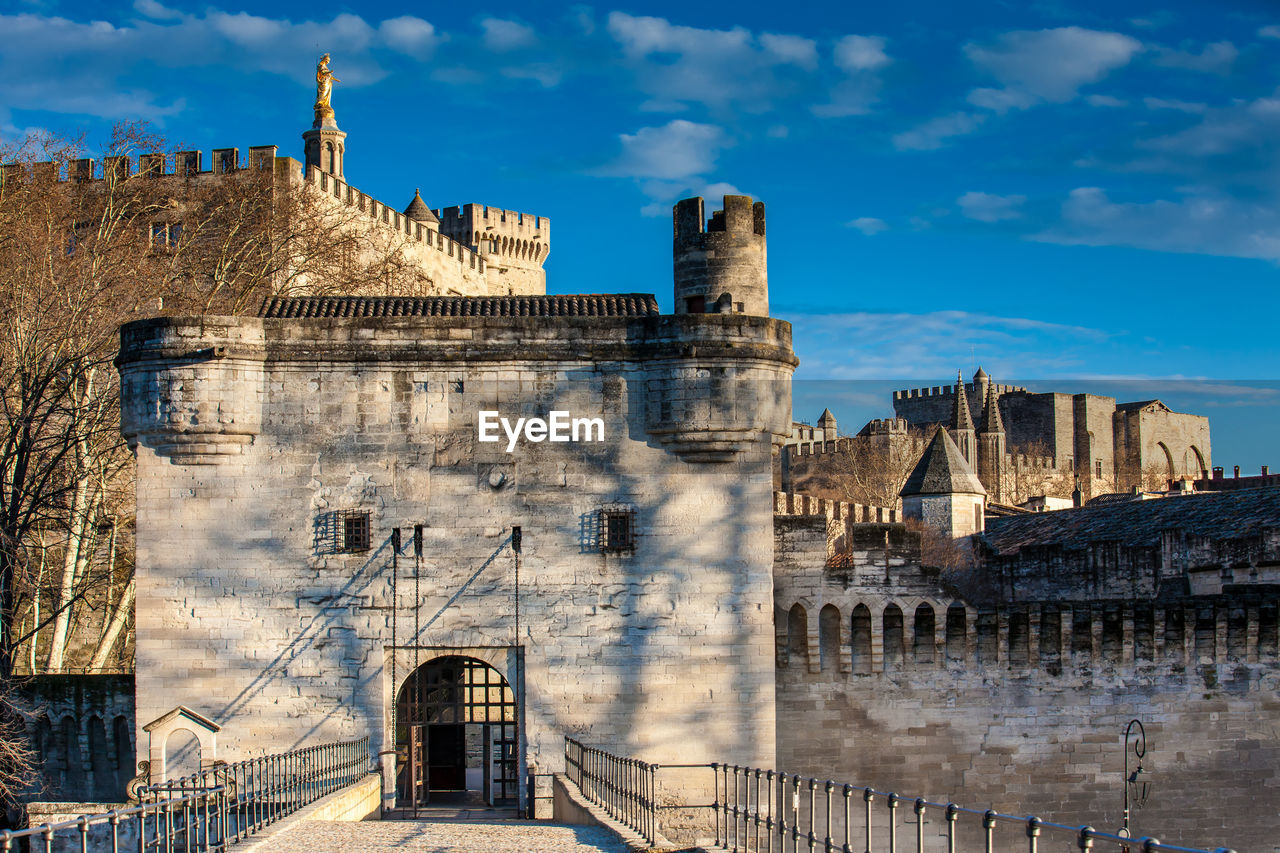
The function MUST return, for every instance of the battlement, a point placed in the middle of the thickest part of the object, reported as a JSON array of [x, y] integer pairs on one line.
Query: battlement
[[390, 217], [1023, 462], [970, 388], [790, 504], [817, 447], [495, 230], [886, 426], [152, 164], [1189, 639], [721, 264]]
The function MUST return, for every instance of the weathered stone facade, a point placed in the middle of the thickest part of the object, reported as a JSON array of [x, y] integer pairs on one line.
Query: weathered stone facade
[[1109, 446], [257, 437], [1015, 693]]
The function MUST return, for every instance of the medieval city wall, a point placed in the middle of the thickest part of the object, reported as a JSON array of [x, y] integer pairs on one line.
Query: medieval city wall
[[446, 266], [884, 679], [82, 727], [255, 437]]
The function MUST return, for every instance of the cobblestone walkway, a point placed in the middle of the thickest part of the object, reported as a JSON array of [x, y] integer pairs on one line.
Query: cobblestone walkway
[[321, 836]]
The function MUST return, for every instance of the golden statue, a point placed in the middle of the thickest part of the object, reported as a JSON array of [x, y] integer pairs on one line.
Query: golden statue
[[324, 90]]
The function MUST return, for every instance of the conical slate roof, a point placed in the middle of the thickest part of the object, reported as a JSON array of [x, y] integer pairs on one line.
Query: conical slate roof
[[960, 418], [991, 421], [980, 375], [419, 211], [827, 418], [942, 471]]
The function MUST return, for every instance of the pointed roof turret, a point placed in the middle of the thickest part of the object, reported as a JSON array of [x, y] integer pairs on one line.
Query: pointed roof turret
[[418, 210], [942, 470], [980, 376], [960, 417], [991, 422], [827, 418]]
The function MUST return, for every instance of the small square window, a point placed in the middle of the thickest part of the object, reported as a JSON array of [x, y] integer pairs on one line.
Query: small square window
[[354, 531], [617, 530]]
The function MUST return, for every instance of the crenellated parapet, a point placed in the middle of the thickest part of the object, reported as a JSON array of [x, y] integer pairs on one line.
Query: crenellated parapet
[[721, 264], [971, 389], [791, 504], [388, 217], [495, 231]]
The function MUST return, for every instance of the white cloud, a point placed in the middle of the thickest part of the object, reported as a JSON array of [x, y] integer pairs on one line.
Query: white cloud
[[1216, 58], [794, 50], [1105, 101], [867, 345], [1270, 32], [1036, 66], [986, 207], [860, 53], [869, 225], [934, 132], [1194, 224], [676, 151], [676, 65], [155, 10], [409, 35], [1170, 104], [501, 35], [714, 193]]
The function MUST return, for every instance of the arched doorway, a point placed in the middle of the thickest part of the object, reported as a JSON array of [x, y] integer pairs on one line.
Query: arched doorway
[[456, 737]]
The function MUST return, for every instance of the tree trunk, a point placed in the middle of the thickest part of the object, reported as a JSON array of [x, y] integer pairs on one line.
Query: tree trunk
[[119, 616]]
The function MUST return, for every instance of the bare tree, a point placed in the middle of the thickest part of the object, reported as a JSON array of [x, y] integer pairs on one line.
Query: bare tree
[[80, 254], [1025, 478], [18, 760], [872, 470], [74, 263]]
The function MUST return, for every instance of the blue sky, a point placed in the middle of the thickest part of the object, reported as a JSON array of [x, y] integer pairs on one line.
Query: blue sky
[[1066, 193]]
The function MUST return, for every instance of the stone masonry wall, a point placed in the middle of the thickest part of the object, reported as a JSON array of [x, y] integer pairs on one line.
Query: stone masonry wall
[[247, 613], [885, 679]]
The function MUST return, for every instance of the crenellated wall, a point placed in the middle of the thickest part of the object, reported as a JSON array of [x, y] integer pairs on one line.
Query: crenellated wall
[[1021, 706]]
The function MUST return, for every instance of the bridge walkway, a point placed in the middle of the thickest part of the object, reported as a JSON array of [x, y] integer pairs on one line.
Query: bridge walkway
[[440, 836]]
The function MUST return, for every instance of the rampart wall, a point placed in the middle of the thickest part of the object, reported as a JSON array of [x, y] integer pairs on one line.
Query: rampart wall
[[83, 729], [886, 678]]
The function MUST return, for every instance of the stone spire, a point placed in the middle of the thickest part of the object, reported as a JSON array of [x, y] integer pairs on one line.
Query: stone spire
[[962, 423], [418, 210], [991, 421], [942, 471], [827, 423], [991, 447], [960, 417]]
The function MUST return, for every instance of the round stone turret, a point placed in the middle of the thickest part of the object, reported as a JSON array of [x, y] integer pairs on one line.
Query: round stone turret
[[721, 265]]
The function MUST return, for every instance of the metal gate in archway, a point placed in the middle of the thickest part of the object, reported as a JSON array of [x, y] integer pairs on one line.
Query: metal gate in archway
[[456, 732]]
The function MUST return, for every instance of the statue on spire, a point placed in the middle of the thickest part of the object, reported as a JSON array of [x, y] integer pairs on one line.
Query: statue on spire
[[324, 92]]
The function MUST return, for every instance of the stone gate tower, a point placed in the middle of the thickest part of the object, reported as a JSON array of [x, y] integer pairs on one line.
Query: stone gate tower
[[720, 265]]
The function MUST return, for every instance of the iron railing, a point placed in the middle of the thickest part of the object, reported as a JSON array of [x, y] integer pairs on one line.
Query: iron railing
[[208, 810], [623, 787], [763, 810]]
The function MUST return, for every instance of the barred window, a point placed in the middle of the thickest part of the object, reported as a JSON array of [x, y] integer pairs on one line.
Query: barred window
[[617, 529], [354, 531]]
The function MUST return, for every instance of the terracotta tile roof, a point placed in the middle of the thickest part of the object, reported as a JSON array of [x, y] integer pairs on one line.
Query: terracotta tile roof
[[1220, 515], [586, 305]]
